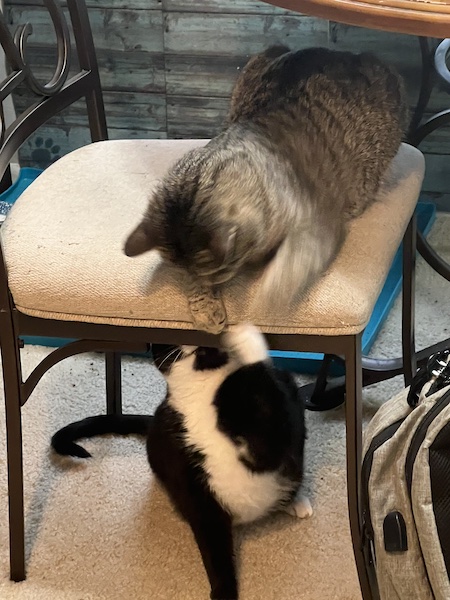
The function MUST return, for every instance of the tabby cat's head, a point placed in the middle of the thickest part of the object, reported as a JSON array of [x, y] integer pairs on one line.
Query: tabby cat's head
[[196, 215]]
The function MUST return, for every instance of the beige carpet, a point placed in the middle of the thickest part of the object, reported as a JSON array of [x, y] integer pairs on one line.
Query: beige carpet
[[103, 529]]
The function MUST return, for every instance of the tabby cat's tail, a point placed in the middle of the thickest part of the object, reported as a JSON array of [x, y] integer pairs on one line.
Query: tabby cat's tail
[[63, 441]]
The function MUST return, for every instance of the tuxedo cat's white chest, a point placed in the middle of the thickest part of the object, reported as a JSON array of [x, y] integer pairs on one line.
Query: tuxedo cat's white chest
[[246, 495]]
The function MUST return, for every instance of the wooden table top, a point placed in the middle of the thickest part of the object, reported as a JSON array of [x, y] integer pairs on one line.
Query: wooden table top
[[429, 18]]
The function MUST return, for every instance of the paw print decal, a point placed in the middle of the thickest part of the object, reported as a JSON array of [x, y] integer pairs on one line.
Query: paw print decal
[[43, 152]]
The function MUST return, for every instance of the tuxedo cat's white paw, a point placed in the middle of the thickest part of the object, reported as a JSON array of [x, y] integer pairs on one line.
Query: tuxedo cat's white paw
[[301, 508], [246, 343]]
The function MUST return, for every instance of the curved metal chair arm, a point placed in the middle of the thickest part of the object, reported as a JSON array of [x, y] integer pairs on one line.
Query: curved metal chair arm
[[60, 91]]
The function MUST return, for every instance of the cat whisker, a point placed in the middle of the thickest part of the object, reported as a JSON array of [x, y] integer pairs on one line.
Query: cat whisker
[[166, 358]]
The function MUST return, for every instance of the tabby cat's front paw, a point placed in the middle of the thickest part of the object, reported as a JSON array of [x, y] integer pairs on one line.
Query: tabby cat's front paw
[[246, 343], [207, 310]]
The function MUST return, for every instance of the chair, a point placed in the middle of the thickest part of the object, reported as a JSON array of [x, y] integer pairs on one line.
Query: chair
[[63, 273]]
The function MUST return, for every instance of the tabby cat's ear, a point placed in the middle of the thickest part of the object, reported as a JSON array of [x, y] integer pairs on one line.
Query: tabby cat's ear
[[142, 239]]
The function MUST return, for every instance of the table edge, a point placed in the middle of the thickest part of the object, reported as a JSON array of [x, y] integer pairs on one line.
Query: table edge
[[429, 23]]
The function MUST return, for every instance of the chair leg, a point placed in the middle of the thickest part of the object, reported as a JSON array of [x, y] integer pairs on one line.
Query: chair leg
[[353, 414], [12, 377], [408, 302], [113, 383]]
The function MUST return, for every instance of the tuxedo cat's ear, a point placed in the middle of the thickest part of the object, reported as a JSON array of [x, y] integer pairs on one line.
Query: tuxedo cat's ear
[[142, 239]]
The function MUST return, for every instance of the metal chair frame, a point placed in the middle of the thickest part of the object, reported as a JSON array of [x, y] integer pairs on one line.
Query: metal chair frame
[[57, 94]]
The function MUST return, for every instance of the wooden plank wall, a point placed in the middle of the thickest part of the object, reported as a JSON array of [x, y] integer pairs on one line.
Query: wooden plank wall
[[167, 68]]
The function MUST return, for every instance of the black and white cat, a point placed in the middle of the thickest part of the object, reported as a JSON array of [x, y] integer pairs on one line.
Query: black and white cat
[[226, 443]]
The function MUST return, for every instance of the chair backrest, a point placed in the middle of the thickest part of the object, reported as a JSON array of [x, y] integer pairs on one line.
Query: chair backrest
[[49, 98], [61, 90]]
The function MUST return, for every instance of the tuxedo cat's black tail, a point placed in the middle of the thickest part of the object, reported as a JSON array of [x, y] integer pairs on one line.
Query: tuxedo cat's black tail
[[63, 441]]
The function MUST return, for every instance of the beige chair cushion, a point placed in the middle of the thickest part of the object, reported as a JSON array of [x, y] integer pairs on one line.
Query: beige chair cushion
[[63, 244]]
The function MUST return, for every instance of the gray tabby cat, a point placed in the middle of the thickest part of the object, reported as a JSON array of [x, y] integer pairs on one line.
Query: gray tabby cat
[[309, 137]]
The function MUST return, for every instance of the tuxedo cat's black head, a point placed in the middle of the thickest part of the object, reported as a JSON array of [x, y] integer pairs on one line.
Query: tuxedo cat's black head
[[165, 356], [207, 359]]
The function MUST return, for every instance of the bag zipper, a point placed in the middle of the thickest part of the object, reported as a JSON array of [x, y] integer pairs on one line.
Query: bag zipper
[[377, 442]]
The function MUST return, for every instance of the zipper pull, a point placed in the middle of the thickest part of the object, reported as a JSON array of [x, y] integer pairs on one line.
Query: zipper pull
[[436, 372], [439, 370]]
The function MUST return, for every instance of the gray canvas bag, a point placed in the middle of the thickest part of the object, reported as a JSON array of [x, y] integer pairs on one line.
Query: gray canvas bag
[[405, 490]]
